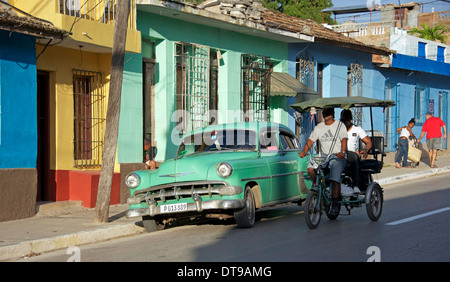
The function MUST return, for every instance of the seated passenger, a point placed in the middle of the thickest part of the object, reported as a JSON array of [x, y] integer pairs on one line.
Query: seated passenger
[[355, 133]]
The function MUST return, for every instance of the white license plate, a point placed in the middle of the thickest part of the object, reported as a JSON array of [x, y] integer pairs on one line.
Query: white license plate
[[174, 208]]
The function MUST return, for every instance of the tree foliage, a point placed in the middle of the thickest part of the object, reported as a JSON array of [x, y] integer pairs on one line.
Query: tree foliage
[[303, 9], [436, 32]]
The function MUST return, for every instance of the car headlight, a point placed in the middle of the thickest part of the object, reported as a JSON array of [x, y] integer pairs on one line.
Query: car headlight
[[224, 170], [132, 180]]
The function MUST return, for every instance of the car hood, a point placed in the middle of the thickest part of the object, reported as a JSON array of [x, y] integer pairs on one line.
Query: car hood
[[196, 167]]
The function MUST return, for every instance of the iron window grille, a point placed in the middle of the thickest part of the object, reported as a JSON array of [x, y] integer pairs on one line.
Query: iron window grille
[[355, 88], [255, 89], [192, 85], [89, 118], [305, 69], [305, 74]]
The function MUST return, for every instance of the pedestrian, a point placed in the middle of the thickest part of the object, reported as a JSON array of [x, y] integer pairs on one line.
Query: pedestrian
[[355, 133], [432, 128], [403, 145]]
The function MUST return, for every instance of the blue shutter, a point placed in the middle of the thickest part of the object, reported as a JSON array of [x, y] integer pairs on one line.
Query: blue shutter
[[440, 54], [421, 53]]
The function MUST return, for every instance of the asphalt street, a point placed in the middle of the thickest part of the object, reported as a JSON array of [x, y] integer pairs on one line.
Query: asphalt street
[[414, 226]]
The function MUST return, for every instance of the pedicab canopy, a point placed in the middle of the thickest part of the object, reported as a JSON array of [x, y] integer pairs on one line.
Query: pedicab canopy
[[341, 102]]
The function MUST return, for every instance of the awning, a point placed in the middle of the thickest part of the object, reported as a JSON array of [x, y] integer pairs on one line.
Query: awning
[[283, 84], [341, 102]]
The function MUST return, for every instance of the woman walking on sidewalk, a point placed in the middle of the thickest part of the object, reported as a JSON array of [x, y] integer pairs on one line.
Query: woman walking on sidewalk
[[405, 133]]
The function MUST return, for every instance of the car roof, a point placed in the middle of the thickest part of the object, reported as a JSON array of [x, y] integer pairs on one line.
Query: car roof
[[250, 125]]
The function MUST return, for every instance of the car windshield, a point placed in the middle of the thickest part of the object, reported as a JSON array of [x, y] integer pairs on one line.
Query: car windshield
[[218, 140]]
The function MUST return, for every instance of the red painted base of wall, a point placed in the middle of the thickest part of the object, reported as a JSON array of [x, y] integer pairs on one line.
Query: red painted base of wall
[[80, 186]]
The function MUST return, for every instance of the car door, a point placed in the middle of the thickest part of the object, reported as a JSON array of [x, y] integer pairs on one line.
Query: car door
[[289, 149], [270, 153]]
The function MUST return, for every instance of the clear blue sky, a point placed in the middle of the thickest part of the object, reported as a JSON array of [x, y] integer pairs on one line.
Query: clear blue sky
[[365, 17]]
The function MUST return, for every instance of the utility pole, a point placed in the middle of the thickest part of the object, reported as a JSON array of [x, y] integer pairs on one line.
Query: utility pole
[[112, 116]]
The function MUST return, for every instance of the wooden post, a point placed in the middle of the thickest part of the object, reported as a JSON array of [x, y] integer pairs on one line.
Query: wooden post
[[112, 116]]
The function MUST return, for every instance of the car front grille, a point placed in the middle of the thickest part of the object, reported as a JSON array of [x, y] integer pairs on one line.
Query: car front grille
[[183, 190]]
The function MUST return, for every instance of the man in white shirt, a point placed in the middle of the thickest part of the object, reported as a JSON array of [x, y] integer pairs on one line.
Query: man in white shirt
[[355, 133], [333, 137]]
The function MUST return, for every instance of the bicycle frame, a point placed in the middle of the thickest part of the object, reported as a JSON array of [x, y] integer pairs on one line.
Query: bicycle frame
[[325, 191]]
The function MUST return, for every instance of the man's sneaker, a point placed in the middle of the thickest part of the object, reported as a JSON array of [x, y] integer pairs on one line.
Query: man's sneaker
[[334, 210]]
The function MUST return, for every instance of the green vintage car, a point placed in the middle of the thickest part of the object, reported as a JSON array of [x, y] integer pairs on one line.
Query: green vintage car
[[221, 171]]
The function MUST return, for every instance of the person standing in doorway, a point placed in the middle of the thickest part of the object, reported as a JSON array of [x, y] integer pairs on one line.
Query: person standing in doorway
[[432, 128]]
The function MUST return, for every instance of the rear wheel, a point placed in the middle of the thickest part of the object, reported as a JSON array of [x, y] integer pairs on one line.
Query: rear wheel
[[313, 209], [374, 206], [245, 217], [152, 224]]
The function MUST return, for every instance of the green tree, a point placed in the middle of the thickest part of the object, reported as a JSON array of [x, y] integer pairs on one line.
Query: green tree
[[303, 9], [436, 32]]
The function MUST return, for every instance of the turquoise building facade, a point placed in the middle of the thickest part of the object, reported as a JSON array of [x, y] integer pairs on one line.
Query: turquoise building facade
[[229, 49]]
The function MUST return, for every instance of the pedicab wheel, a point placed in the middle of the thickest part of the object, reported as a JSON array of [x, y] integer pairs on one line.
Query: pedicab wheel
[[313, 209], [374, 202], [245, 217], [152, 224]]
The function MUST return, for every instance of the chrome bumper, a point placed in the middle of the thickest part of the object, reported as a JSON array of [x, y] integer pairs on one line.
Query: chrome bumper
[[197, 206]]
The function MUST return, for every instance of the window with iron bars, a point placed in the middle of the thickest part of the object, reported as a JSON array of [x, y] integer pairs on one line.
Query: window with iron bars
[[89, 118], [196, 85], [355, 88], [305, 74], [255, 89]]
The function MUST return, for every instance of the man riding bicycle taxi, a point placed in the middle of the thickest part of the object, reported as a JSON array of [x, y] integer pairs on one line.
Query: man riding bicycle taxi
[[333, 138]]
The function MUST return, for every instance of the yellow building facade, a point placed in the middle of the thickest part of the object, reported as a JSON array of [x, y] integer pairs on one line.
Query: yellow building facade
[[73, 85]]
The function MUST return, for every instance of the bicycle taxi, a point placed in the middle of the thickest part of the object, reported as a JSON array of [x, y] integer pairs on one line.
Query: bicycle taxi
[[319, 197]]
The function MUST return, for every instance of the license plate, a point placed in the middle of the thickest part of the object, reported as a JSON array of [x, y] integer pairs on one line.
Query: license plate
[[174, 208]]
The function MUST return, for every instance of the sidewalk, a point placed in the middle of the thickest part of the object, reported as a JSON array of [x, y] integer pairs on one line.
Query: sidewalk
[[59, 225]]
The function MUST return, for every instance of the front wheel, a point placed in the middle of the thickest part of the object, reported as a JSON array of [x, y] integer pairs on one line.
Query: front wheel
[[245, 217], [374, 204], [313, 209]]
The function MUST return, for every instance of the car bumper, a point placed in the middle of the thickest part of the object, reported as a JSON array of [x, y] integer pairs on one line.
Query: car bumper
[[197, 206]]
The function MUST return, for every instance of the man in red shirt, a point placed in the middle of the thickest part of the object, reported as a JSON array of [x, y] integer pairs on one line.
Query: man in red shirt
[[432, 127]]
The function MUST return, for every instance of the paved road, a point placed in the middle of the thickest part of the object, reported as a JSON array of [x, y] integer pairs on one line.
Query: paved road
[[414, 226]]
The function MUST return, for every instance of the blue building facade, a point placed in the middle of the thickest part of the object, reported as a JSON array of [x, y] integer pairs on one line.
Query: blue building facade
[[417, 85], [18, 116], [19, 104]]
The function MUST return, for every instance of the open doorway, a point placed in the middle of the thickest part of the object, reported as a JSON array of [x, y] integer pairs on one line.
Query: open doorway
[[43, 129]]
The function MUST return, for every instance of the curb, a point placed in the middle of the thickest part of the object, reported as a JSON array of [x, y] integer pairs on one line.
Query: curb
[[413, 176], [34, 247]]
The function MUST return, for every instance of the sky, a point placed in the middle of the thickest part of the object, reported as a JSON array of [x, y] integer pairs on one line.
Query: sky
[[428, 5]]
